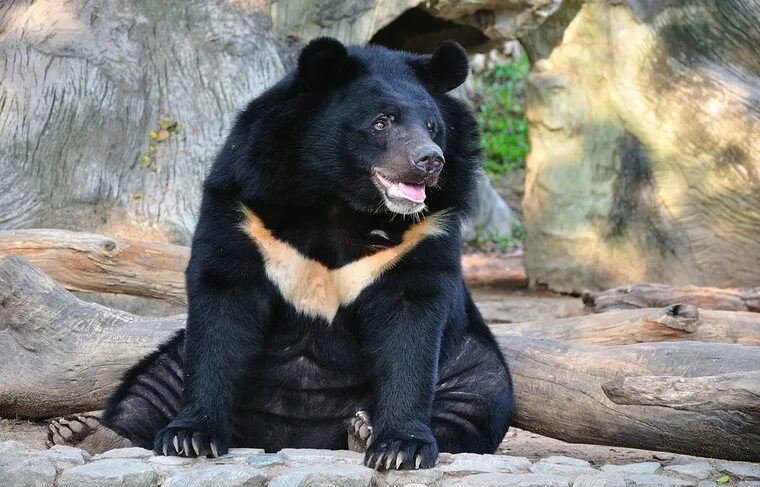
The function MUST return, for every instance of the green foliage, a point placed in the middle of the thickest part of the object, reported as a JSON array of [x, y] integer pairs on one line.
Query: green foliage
[[723, 479], [496, 242], [501, 114]]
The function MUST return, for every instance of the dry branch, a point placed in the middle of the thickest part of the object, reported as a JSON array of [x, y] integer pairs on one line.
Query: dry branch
[[659, 295], [63, 355], [676, 322], [96, 263]]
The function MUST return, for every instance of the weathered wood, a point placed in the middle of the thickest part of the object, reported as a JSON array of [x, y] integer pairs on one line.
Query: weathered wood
[[62, 355], [95, 263], [494, 270], [559, 394], [658, 295], [676, 322], [737, 391]]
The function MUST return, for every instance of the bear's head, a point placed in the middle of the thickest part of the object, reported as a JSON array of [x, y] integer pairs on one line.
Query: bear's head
[[369, 126]]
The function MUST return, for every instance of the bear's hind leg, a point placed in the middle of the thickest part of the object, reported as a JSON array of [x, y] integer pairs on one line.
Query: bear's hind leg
[[84, 431], [359, 432], [473, 402], [150, 395]]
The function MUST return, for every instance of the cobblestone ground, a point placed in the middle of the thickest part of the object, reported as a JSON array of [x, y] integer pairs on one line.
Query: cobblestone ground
[[134, 467]]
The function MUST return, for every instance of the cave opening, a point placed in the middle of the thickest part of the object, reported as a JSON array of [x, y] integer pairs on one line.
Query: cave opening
[[417, 31]]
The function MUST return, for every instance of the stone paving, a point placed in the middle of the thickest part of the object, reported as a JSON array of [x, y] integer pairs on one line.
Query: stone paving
[[64, 466]]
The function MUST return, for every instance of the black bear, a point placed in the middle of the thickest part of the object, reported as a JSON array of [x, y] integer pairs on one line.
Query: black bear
[[325, 290]]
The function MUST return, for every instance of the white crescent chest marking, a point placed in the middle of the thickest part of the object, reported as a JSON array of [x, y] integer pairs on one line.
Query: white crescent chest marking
[[312, 288]]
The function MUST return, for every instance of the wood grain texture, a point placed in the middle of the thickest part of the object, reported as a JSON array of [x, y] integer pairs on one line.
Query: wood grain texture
[[95, 263], [559, 393], [621, 327], [650, 295], [62, 355], [85, 82], [728, 392], [504, 271]]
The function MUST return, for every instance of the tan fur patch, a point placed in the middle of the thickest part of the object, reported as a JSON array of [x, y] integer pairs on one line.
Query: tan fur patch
[[311, 287]]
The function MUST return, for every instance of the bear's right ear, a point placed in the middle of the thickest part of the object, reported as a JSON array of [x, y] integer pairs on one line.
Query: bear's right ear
[[446, 68], [323, 64]]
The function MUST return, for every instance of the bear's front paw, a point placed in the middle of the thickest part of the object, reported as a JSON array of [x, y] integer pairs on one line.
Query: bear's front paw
[[402, 454], [189, 441]]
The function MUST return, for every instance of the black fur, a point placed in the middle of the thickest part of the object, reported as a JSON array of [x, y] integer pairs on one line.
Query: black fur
[[412, 349]]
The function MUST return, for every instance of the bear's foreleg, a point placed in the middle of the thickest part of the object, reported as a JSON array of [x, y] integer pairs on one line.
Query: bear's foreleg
[[402, 331], [224, 335]]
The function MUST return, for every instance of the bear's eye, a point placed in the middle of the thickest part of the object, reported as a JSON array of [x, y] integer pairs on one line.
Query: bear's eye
[[382, 123], [432, 127]]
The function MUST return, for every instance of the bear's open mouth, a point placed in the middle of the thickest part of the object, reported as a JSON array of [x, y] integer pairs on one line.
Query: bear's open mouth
[[400, 191]]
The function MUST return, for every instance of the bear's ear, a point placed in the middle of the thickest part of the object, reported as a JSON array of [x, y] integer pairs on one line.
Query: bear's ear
[[323, 64], [447, 67]]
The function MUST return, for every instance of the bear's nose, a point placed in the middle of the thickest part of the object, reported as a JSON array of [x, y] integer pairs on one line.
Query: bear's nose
[[428, 159]]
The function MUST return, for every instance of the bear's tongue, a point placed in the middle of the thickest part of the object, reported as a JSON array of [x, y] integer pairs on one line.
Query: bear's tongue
[[411, 192]]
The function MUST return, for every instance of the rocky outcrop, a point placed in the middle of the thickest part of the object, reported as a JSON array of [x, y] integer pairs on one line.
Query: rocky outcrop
[[644, 120], [421, 23]]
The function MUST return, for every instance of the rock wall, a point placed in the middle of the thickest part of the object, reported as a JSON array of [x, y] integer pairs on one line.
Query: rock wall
[[645, 163]]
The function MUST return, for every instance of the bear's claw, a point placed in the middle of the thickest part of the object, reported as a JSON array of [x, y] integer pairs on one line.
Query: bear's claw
[[401, 455], [185, 442]]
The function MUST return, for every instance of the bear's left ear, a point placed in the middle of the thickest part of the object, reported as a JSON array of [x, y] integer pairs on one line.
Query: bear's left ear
[[323, 64], [447, 67]]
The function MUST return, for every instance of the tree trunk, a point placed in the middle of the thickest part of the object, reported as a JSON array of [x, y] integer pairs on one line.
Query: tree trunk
[[504, 271], [62, 355], [85, 82], [644, 166], [673, 323], [657, 295]]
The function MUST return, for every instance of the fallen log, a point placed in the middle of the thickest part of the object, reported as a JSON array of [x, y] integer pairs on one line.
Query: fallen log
[[95, 263], [62, 355], [494, 270], [659, 295], [621, 327], [560, 389]]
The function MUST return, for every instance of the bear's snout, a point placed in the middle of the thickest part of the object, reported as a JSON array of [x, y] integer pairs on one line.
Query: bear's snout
[[428, 160]]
